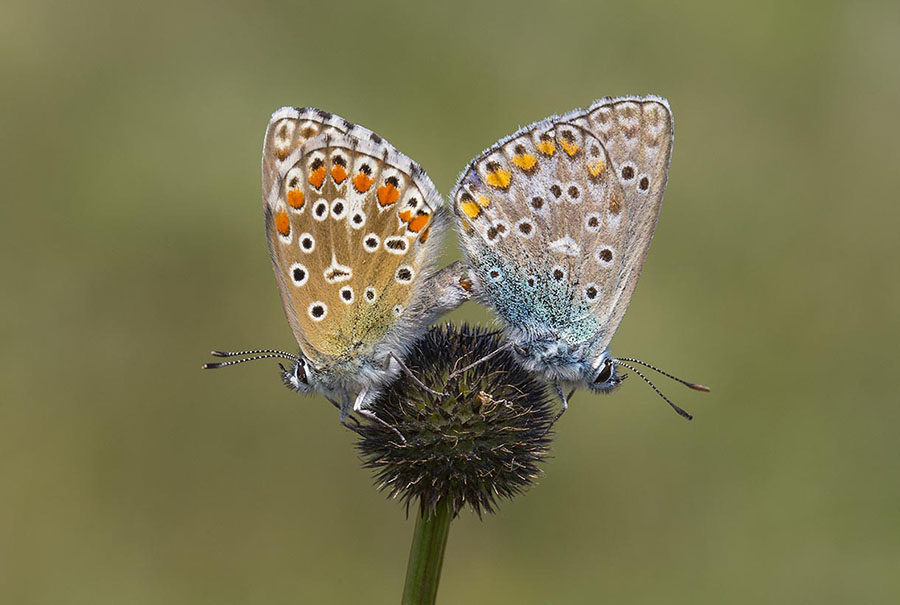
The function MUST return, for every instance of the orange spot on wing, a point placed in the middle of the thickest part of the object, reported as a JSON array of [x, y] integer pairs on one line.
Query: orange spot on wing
[[499, 178], [388, 194], [546, 147], [483, 201], [423, 237], [295, 198], [362, 182], [525, 161], [471, 209], [338, 173], [317, 177], [596, 168], [282, 223], [405, 216], [615, 203], [418, 223], [570, 147]]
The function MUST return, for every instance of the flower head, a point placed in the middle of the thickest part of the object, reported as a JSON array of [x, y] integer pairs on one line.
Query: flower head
[[481, 441]]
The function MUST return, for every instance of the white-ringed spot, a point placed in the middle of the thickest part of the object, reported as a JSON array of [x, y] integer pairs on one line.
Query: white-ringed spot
[[338, 209], [643, 183], [605, 255], [307, 242], [370, 242], [320, 210], [495, 274], [572, 193], [627, 172], [358, 220], [317, 310], [347, 294], [593, 222], [558, 273], [411, 199], [591, 292], [397, 310], [299, 274], [396, 244], [497, 230], [556, 191], [525, 228], [370, 294], [404, 274]]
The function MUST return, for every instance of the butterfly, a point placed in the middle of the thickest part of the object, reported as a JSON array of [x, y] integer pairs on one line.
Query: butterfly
[[354, 230], [556, 222]]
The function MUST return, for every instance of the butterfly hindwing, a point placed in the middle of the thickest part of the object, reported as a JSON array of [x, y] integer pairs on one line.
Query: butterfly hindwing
[[348, 221], [551, 224]]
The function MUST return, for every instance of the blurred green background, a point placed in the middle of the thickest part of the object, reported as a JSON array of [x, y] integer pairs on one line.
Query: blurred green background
[[133, 243]]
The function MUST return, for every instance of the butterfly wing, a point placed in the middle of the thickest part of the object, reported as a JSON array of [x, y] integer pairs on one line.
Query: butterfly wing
[[638, 135], [291, 127], [557, 218], [349, 222]]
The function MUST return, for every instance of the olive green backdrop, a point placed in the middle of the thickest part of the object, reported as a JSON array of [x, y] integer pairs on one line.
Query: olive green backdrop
[[132, 243]]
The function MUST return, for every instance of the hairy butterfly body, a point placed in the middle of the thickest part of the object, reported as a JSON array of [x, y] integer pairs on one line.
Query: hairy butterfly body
[[556, 223]]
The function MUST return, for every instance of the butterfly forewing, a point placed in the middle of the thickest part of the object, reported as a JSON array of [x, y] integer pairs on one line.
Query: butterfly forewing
[[638, 136], [291, 127], [554, 231], [347, 219]]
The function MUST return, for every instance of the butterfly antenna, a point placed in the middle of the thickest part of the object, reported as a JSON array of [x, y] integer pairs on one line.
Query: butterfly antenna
[[680, 411], [693, 385], [256, 355], [256, 352]]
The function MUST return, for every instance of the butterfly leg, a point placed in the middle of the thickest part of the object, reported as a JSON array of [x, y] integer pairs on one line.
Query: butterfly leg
[[496, 351], [410, 373], [359, 408], [563, 399], [346, 418]]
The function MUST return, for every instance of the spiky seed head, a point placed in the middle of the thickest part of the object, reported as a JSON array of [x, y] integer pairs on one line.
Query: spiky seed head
[[481, 442]]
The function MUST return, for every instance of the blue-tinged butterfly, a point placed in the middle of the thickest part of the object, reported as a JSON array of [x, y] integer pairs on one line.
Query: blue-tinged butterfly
[[354, 230], [556, 222]]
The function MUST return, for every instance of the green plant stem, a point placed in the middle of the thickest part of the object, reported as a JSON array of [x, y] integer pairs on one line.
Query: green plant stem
[[427, 555]]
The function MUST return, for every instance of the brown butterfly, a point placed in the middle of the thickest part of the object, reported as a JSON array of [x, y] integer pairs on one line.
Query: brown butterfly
[[354, 230]]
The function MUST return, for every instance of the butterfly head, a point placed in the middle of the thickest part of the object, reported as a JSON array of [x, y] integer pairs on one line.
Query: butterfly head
[[602, 376], [299, 377]]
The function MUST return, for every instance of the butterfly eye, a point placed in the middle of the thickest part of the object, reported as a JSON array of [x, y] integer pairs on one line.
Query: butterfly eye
[[605, 373], [300, 371]]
